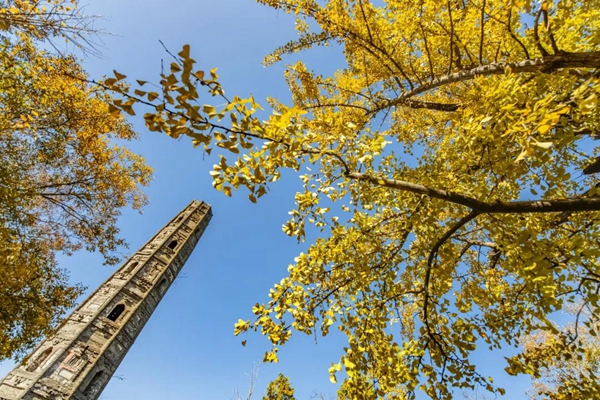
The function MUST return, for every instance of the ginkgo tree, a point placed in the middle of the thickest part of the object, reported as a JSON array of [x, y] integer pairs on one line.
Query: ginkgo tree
[[280, 388], [574, 376], [63, 180], [448, 180]]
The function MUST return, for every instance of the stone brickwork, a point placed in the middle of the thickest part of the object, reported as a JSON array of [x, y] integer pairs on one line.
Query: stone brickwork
[[79, 360]]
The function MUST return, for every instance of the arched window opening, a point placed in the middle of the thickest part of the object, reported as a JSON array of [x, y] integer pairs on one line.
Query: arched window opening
[[131, 267], [179, 219], [116, 312], [173, 244], [92, 388], [162, 286], [39, 360]]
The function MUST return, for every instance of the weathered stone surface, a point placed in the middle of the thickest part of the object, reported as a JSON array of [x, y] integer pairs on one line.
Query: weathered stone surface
[[79, 360]]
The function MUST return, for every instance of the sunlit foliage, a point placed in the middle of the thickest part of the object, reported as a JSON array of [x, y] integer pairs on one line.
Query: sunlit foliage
[[575, 375], [63, 181], [448, 173], [279, 389]]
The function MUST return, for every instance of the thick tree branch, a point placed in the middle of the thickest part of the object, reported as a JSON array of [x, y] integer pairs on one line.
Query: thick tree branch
[[417, 104], [482, 207], [544, 64]]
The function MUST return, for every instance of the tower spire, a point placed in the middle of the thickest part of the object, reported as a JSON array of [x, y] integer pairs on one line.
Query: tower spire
[[80, 358]]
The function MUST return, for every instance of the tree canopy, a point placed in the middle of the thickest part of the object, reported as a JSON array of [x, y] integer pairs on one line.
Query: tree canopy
[[448, 167], [280, 388], [63, 180], [573, 376]]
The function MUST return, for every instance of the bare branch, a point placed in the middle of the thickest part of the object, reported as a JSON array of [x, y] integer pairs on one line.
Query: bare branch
[[253, 375]]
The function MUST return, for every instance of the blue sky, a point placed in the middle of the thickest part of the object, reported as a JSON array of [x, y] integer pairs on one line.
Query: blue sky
[[187, 350]]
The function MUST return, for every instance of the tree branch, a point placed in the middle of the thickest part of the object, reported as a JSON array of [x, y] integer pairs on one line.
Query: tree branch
[[550, 33], [482, 23], [417, 104], [512, 34], [449, 5], [430, 63], [544, 64], [462, 222], [536, 35], [482, 207]]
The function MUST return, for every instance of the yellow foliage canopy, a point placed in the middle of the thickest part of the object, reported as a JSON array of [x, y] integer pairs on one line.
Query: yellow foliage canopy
[[446, 163], [565, 377], [63, 182], [279, 388]]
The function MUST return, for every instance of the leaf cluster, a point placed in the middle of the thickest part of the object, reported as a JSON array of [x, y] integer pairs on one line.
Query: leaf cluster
[[63, 181], [443, 192], [280, 389]]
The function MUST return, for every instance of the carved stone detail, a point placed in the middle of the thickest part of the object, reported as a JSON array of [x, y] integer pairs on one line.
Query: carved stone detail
[[79, 360]]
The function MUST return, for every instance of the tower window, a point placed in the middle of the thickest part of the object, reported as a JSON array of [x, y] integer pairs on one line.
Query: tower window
[[39, 360], [131, 267], [92, 388], [173, 244], [179, 219], [116, 312]]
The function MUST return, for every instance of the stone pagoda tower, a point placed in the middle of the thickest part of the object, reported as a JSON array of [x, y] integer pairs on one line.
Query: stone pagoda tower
[[79, 360]]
